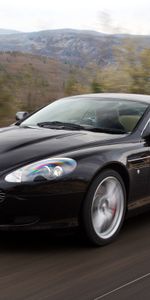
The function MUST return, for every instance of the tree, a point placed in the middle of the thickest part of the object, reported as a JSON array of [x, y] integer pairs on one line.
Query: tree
[[130, 71], [6, 101], [96, 87]]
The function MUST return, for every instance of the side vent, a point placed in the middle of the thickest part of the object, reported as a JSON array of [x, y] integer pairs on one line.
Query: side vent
[[2, 196]]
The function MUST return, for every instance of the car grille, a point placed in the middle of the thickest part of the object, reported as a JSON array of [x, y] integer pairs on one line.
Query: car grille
[[2, 196]]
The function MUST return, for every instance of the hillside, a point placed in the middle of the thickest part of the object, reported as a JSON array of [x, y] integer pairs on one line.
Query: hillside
[[77, 47], [37, 68], [28, 82]]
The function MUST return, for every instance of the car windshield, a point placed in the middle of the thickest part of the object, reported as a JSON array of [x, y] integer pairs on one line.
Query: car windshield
[[114, 115]]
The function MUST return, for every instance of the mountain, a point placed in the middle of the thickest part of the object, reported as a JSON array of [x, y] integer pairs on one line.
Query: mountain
[[8, 31], [77, 47]]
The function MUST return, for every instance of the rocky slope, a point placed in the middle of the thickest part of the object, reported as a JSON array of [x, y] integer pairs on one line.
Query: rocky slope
[[70, 46]]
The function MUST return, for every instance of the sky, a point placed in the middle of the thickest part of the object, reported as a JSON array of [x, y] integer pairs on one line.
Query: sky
[[109, 16]]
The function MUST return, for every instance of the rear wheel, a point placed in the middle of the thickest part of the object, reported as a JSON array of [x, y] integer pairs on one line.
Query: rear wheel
[[104, 208]]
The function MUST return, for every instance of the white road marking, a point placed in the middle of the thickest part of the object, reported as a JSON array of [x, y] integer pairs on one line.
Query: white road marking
[[123, 286]]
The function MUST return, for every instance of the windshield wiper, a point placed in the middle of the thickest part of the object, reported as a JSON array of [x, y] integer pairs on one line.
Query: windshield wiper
[[107, 130], [60, 125], [72, 126]]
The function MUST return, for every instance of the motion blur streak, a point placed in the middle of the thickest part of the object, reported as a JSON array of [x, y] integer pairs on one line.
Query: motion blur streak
[[123, 286]]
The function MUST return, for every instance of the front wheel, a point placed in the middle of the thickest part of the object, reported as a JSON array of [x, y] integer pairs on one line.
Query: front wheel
[[104, 208]]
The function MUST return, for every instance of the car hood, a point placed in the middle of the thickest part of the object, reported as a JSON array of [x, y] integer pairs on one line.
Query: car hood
[[20, 145]]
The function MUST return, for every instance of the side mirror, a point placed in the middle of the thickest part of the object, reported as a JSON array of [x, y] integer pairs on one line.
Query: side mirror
[[20, 115], [146, 132]]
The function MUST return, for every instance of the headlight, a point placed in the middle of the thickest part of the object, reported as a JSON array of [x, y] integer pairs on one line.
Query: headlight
[[47, 169]]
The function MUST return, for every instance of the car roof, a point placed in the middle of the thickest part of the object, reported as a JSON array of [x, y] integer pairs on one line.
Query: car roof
[[120, 96]]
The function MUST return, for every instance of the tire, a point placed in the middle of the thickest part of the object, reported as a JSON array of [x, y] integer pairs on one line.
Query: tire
[[104, 208]]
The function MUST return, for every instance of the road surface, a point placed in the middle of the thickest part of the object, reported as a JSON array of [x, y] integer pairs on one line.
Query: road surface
[[61, 266]]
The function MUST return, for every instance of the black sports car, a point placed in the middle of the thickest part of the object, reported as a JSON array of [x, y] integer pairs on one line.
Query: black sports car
[[82, 159]]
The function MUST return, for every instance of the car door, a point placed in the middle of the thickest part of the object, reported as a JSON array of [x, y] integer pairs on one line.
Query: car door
[[139, 169]]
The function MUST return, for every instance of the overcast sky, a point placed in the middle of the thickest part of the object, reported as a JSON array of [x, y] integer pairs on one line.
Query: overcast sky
[[132, 16]]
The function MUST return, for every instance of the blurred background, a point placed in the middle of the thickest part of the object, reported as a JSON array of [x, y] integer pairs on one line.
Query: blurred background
[[51, 50]]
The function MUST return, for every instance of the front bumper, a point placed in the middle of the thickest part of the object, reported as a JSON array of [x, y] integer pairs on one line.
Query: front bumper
[[40, 203]]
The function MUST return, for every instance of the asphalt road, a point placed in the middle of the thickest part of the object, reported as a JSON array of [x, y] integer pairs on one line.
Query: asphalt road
[[61, 266]]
